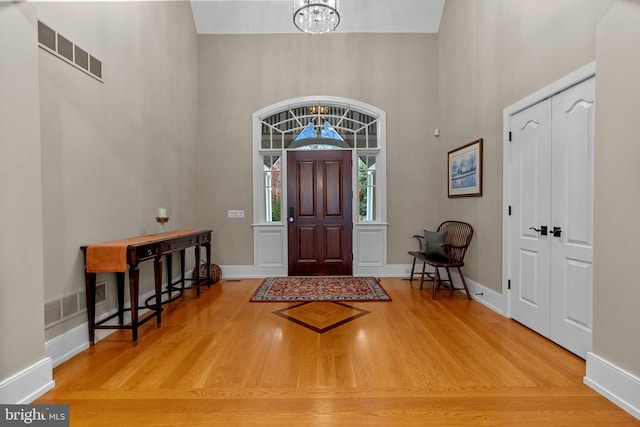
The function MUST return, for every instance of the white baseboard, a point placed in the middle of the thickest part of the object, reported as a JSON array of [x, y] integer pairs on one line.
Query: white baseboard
[[28, 384], [65, 346], [250, 272], [617, 385], [253, 272], [487, 297]]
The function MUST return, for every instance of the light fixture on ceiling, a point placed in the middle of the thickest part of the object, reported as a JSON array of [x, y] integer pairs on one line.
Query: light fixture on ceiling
[[316, 16], [314, 109]]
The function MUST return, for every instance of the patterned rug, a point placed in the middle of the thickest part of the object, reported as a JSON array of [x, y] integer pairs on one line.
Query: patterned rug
[[320, 289]]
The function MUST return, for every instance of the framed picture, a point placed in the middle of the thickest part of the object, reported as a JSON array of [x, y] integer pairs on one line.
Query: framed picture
[[465, 170]]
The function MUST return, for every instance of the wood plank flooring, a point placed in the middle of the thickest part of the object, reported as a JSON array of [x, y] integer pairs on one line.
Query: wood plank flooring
[[222, 360]]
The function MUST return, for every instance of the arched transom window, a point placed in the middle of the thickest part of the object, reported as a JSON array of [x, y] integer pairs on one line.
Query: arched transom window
[[317, 124]]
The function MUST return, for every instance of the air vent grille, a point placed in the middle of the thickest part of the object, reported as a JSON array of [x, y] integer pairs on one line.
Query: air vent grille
[[65, 49], [62, 308], [82, 58], [95, 67], [46, 36]]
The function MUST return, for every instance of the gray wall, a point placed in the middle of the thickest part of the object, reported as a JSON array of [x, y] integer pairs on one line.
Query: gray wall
[[616, 289], [242, 74], [21, 266], [114, 152], [490, 55]]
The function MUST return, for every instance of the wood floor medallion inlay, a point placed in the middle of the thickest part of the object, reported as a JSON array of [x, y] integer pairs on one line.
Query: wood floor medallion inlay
[[321, 317]]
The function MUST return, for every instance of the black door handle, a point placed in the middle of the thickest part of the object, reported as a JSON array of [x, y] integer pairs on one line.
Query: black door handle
[[557, 231], [543, 230], [291, 219]]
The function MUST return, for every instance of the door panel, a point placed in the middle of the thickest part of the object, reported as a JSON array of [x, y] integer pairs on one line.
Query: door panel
[[319, 191], [333, 198], [572, 201], [306, 191], [531, 186], [528, 279]]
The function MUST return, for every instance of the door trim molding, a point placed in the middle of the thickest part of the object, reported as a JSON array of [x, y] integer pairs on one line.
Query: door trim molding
[[572, 79]]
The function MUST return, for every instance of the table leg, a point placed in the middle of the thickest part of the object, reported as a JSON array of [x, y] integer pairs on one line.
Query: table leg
[[182, 263], [134, 277], [157, 273], [169, 260], [207, 246], [196, 271], [90, 287], [120, 288]]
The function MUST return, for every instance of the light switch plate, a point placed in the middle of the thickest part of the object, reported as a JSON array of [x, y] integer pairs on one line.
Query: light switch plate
[[235, 213]]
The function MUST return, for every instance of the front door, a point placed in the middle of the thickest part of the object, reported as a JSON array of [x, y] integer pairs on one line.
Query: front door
[[319, 212], [551, 227]]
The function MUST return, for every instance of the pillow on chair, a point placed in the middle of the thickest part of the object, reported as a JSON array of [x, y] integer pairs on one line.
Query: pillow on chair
[[433, 244]]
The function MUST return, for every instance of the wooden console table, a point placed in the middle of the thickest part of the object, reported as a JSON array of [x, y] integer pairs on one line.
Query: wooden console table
[[116, 256]]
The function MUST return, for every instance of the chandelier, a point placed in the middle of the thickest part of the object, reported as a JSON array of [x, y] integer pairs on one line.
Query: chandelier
[[316, 16]]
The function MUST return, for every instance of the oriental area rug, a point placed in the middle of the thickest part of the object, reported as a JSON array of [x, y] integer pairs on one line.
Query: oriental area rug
[[320, 300], [292, 289]]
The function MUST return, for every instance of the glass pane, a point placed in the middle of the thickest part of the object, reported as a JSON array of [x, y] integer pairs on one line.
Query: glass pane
[[372, 132], [277, 141], [366, 188], [272, 182]]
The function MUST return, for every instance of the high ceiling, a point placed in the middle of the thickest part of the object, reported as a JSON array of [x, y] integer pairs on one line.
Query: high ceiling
[[356, 16]]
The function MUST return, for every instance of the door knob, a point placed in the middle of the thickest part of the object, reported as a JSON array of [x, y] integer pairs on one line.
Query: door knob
[[557, 231], [291, 214], [543, 230]]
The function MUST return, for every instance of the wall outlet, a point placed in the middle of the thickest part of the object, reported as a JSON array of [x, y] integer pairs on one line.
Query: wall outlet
[[235, 213]]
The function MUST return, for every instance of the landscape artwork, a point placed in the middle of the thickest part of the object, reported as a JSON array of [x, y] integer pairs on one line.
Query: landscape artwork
[[465, 170]]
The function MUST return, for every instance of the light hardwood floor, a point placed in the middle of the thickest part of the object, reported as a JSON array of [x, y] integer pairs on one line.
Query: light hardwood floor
[[222, 360]]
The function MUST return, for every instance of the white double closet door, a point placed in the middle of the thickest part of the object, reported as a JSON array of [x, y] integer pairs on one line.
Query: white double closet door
[[551, 176]]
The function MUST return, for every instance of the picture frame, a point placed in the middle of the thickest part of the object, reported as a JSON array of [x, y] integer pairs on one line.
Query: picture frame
[[464, 170]]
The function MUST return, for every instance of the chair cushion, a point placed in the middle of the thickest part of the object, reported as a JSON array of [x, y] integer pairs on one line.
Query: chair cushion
[[433, 244]]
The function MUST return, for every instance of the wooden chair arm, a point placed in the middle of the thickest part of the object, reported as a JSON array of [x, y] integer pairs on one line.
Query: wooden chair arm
[[419, 238]]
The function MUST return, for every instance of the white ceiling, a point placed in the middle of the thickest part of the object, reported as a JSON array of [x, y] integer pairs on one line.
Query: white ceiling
[[356, 16]]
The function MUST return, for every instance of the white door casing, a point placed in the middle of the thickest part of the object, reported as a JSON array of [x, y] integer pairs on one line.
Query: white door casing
[[549, 181]]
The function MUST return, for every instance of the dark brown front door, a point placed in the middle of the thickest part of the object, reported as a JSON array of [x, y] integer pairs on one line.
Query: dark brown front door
[[319, 212]]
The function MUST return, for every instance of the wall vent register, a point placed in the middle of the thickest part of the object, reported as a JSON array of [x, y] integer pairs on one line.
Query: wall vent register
[[69, 52]]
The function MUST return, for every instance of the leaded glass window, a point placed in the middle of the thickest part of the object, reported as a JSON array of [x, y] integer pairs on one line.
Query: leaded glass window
[[272, 185], [366, 187], [352, 129]]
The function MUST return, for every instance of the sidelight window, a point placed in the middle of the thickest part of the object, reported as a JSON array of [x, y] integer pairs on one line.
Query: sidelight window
[[272, 186], [366, 187]]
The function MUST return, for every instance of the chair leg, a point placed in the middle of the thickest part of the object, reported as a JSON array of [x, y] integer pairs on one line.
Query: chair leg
[[413, 266], [424, 265], [449, 278], [464, 283], [436, 283]]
